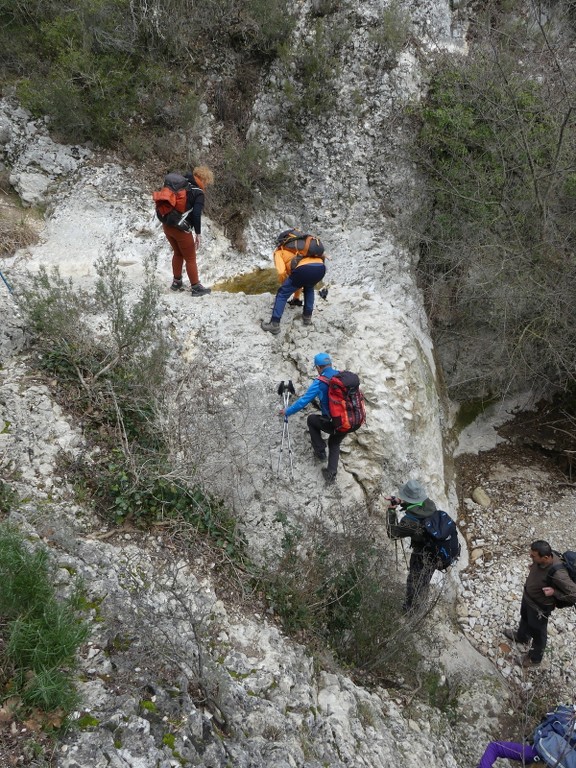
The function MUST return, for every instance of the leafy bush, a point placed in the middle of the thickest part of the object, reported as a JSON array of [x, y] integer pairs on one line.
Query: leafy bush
[[336, 589], [391, 33], [114, 376], [41, 633], [497, 134]]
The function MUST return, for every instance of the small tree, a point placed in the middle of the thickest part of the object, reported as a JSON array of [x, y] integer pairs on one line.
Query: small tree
[[496, 145]]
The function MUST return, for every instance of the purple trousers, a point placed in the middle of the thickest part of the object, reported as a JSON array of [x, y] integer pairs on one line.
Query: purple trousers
[[513, 750]]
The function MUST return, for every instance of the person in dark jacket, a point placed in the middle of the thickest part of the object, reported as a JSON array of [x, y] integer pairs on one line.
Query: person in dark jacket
[[318, 423], [185, 244], [414, 503], [548, 586]]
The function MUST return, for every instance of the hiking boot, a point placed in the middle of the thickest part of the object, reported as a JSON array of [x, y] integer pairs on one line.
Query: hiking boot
[[329, 476], [295, 303], [199, 290], [176, 284], [273, 326], [320, 455], [526, 662], [306, 319]]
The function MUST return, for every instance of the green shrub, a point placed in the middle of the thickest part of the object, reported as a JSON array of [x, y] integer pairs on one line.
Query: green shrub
[[49, 690], [46, 637], [497, 240], [24, 576], [336, 588], [41, 633], [391, 33], [114, 377]]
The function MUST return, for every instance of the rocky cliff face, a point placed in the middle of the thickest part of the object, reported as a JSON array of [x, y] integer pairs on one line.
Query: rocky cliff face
[[167, 658]]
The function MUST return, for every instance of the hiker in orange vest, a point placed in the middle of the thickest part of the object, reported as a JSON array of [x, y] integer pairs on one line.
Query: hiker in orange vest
[[303, 277], [185, 244]]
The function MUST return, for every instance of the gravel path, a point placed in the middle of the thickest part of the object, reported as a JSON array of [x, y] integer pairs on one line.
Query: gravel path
[[530, 498]]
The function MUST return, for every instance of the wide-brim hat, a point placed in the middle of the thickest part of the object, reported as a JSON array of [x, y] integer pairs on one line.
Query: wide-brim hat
[[413, 491]]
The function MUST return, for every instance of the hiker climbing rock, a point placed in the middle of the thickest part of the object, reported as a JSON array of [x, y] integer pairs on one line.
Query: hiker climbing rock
[[179, 206], [427, 555], [548, 586], [299, 261], [336, 426]]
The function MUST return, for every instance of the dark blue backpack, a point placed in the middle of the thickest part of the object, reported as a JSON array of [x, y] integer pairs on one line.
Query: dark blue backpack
[[442, 538], [555, 737]]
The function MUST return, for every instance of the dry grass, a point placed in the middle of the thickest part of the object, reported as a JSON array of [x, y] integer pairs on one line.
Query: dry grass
[[15, 232]]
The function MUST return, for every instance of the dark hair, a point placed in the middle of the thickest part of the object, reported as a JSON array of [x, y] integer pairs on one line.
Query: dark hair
[[542, 547]]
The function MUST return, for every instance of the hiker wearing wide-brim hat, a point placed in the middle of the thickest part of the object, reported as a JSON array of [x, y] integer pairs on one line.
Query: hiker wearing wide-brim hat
[[413, 501]]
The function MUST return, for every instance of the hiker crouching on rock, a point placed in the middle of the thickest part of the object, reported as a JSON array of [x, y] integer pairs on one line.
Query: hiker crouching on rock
[[296, 274], [414, 502], [548, 586], [321, 423], [185, 244]]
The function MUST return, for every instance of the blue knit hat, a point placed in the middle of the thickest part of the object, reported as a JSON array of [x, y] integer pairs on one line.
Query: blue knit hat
[[322, 358]]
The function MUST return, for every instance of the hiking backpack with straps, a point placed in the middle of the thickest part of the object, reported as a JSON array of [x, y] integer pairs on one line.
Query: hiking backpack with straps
[[555, 737], [442, 538], [569, 564], [170, 201], [301, 244], [345, 401]]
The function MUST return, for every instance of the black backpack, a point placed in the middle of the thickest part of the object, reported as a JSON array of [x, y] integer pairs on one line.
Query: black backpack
[[442, 535], [568, 563]]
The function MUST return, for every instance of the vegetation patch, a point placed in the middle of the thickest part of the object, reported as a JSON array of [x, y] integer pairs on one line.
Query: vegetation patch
[[497, 134], [40, 632]]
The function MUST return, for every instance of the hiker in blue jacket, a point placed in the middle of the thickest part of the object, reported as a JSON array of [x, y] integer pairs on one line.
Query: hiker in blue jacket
[[318, 423], [414, 502]]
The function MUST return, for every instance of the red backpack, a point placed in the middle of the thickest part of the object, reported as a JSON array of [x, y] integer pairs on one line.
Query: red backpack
[[345, 401], [170, 201]]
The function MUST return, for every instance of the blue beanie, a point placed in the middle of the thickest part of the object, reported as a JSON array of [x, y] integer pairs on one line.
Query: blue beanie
[[322, 358]]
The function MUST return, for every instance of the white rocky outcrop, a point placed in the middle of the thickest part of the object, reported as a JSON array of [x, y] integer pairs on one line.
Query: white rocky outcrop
[[257, 698]]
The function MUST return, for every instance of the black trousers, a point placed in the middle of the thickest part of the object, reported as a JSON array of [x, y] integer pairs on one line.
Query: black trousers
[[533, 626], [420, 572], [318, 424]]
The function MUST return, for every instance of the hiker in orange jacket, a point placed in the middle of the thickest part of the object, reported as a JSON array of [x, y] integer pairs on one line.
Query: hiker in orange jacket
[[184, 244], [309, 271]]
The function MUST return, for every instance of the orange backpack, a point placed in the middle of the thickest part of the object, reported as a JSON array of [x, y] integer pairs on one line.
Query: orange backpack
[[170, 201], [302, 245]]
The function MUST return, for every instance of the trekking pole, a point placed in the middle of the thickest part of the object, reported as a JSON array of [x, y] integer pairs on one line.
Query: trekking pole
[[7, 284], [285, 390]]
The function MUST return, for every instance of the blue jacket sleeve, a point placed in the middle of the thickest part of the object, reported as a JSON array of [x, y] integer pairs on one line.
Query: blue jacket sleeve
[[312, 392]]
